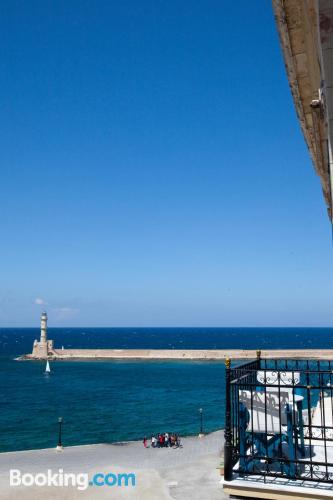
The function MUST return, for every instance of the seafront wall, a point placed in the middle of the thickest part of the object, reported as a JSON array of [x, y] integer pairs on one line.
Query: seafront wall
[[199, 354]]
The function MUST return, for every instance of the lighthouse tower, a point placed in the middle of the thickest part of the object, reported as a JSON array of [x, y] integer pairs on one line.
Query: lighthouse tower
[[43, 328], [44, 347]]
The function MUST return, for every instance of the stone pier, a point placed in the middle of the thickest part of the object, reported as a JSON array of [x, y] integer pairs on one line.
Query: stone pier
[[176, 354]]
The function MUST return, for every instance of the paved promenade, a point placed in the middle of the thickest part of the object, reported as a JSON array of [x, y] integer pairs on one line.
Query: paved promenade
[[187, 473]]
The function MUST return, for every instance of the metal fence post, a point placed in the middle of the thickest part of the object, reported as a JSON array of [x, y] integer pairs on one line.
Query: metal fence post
[[258, 358], [227, 431]]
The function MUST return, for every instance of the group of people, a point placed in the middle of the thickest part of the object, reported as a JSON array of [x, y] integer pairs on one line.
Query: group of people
[[165, 440]]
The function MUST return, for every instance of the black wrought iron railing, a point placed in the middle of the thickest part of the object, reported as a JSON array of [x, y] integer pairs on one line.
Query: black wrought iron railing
[[279, 420]]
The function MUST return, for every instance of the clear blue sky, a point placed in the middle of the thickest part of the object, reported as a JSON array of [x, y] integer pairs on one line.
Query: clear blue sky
[[153, 169]]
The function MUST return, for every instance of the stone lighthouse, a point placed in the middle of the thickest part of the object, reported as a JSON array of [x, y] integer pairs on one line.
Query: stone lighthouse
[[44, 347], [43, 328]]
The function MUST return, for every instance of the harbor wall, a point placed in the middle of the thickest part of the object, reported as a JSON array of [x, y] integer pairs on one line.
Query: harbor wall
[[191, 354]]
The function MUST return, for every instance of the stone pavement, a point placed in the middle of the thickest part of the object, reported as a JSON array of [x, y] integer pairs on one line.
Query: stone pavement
[[188, 473]]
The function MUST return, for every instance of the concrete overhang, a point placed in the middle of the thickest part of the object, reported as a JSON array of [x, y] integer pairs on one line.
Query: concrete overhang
[[306, 34]]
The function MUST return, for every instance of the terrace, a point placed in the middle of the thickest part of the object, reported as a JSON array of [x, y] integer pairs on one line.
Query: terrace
[[279, 429]]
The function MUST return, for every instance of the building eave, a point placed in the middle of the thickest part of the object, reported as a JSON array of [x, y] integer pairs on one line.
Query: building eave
[[299, 31]]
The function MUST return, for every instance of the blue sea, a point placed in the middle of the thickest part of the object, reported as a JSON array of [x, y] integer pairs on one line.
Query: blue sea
[[108, 401]]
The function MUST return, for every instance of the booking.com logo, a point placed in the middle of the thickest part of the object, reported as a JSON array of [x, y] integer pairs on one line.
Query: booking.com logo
[[64, 479]]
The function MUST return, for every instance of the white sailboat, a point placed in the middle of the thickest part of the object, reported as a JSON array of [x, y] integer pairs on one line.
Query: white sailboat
[[47, 368]]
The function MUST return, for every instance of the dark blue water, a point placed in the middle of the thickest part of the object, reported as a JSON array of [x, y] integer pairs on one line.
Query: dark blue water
[[19, 340], [107, 401]]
